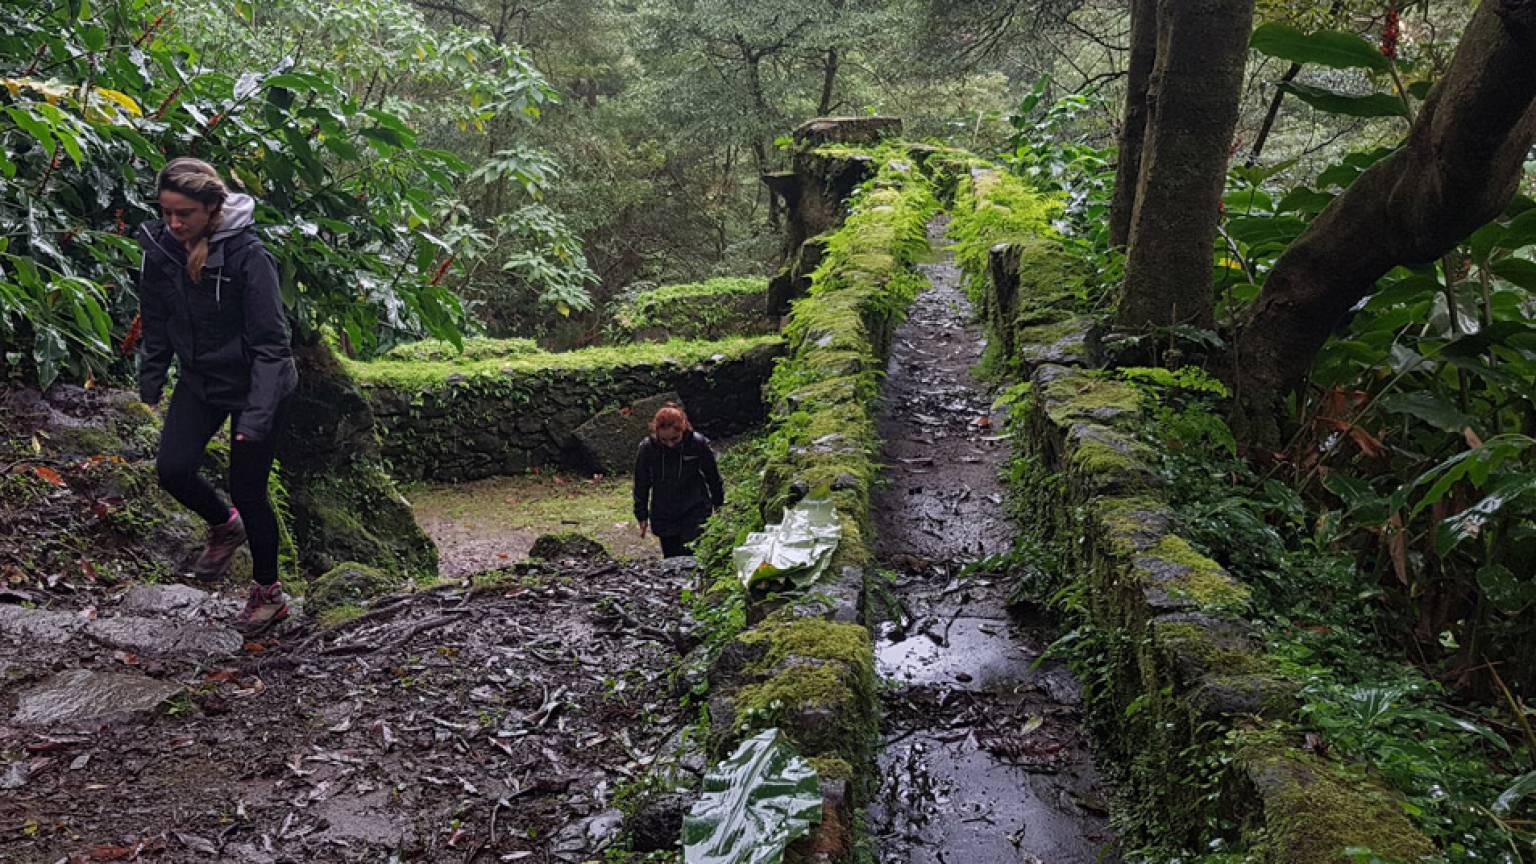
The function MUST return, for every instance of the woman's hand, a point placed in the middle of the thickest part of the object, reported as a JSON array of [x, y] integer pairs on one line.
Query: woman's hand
[[643, 525]]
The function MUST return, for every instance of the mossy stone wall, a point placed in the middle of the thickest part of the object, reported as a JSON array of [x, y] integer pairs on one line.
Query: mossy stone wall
[[807, 664], [468, 420], [1186, 701]]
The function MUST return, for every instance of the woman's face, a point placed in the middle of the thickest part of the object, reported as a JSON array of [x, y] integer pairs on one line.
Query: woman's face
[[669, 436], [186, 217]]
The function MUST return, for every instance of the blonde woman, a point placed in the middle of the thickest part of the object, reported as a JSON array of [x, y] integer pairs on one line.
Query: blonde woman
[[208, 298]]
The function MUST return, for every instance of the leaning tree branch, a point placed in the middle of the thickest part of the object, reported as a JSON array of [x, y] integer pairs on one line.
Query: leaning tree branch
[[1459, 168]]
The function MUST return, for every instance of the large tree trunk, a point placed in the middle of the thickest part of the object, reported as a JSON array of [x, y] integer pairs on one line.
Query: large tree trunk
[[1458, 170], [1133, 129], [1193, 93]]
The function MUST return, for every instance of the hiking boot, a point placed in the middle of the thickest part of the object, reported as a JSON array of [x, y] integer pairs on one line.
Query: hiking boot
[[223, 541], [265, 607]]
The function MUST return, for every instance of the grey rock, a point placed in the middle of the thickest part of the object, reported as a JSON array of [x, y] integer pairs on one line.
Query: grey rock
[[578, 840], [606, 443], [160, 638], [171, 601], [38, 625], [80, 697]]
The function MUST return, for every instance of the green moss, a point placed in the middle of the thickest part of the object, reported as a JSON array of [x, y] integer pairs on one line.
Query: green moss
[[713, 309], [1076, 397], [427, 375], [347, 584], [339, 614], [1203, 580], [995, 207], [831, 767], [815, 638], [1312, 815], [474, 348], [1108, 455], [1198, 643]]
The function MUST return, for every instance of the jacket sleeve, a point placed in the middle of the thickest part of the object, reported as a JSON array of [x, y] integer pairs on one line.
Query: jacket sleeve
[[273, 375], [642, 485], [712, 478], [155, 351]]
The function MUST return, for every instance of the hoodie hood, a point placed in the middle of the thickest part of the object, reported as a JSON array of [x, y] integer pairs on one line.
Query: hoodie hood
[[239, 210], [238, 214]]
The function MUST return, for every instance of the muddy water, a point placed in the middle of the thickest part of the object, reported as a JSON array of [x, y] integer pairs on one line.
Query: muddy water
[[984, 759]]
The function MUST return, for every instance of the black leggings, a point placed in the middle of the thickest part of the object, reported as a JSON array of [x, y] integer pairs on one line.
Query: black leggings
[[674, 545], [190, 423]]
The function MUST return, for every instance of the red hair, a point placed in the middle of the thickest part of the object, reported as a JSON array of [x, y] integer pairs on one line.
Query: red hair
[[670, 416]]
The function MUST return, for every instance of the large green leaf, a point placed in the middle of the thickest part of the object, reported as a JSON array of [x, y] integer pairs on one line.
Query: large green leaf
[[1523, 786], [1323, 48], [1428, 407], [753, 805], [1469, 523], [796, 550], [1323, 99]]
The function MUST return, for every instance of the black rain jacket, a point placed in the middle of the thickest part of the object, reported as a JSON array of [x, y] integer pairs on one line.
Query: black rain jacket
[[676, 488], [227, 330]]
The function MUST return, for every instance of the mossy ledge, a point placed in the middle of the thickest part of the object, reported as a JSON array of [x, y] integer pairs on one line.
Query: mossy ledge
[[1183, 675], [462, 418], [807, 663]]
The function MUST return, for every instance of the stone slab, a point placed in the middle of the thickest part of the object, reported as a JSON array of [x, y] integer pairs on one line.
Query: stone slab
[[172, 601], [80, 696], [606, 443], [38, 625], [158, 637]]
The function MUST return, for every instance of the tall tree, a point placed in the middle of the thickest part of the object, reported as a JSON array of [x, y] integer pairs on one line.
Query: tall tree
[[1192, 94], [1133, 126], [1459, 168]]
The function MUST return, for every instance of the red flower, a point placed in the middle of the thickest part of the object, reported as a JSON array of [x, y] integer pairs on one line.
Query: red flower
[[1389, 33]]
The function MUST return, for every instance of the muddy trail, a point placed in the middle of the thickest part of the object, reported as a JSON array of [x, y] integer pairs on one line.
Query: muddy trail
[[984, 758], [451, 724]]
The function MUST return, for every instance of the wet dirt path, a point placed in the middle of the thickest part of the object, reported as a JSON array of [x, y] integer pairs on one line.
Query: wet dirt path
[[984, 759], [495, 724]]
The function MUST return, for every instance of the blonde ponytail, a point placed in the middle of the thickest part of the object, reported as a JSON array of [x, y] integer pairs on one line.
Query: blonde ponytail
[[199, 181]]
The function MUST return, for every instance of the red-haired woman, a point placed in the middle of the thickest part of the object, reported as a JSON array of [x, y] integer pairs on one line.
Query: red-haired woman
[[208, 296], [677, 483]]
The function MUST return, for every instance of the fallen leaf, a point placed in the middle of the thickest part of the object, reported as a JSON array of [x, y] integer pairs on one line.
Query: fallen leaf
[[229, 673], [50, 475], [253, 647]]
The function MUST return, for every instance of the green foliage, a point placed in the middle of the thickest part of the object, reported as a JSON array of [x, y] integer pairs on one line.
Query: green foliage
[[992, 207], [357, 207]]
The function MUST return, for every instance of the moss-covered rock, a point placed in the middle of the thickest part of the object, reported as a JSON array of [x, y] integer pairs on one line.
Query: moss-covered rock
[[567, 544], [1311, 814], [343, 503], [347, 584], [713, 309]]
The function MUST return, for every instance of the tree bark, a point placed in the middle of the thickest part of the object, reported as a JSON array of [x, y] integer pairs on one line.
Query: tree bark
[[1193, 93], [828, 81], [1458, 170], [1134, 126]]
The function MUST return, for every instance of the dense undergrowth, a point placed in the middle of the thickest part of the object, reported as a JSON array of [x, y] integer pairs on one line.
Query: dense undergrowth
[[1387, 550]]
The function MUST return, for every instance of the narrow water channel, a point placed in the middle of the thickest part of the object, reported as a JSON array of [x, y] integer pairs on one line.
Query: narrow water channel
[[983, 757]]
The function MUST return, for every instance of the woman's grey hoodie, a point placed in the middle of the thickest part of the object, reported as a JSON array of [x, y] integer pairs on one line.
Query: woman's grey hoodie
[[227, 330]]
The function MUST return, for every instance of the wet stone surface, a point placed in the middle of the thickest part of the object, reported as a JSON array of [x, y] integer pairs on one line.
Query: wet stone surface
[[82, 697], [984, 759]]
